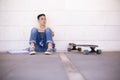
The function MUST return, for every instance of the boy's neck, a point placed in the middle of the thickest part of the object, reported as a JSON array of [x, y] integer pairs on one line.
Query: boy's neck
[[42, 27]]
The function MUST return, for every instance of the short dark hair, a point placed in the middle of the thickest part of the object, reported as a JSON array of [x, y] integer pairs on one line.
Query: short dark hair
[[40, 16]]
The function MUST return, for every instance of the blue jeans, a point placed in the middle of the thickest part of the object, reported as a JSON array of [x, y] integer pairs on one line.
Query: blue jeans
[[41, 39]]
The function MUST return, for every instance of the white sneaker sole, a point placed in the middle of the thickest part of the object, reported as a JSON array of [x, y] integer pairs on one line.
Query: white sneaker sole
[[48, 53], [32, 53]]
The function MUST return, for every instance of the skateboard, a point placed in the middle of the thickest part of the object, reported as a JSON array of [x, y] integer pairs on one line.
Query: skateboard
[[78, 47]]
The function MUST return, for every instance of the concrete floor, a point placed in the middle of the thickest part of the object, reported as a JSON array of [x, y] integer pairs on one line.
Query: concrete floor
[[31, 67], [98, 67], [50, 67]]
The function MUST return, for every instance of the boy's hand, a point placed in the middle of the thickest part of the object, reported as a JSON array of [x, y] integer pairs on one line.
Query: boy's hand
[[53, 34]]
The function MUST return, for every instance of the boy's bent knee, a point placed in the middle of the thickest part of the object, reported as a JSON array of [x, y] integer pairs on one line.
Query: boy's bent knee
[[48, 30], [34, 30]]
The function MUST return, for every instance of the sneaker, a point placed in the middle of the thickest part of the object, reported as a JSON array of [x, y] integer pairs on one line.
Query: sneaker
[[32, 51], [49, 52]]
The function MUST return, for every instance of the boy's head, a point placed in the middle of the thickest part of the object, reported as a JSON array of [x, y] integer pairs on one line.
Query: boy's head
[[41, 19]]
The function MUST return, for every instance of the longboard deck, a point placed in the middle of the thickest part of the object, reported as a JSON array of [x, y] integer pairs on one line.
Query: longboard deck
[[83, 45], [86, 45]]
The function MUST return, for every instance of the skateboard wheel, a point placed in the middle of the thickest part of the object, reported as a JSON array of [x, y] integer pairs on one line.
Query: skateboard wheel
[[79, 49], [86, 52], [68, 49], [99, 51]]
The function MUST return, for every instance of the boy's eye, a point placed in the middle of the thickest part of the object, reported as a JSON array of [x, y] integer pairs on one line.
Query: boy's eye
[[41, 18]]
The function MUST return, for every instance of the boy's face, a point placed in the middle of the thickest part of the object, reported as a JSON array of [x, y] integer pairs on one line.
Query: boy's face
[[42, 20]]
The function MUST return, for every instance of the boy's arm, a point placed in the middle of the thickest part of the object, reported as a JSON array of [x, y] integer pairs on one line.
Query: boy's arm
[[53, 34], [52, 31]]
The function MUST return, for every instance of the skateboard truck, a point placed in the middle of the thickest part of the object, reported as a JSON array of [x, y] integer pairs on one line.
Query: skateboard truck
[[92, 49]]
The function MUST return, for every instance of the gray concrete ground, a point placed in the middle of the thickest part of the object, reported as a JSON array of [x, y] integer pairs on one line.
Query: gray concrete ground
[[50, 67], [31, 67], [97, 67]]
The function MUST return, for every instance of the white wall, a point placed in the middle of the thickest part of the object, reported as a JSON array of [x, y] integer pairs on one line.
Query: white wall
[[79, 21]]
